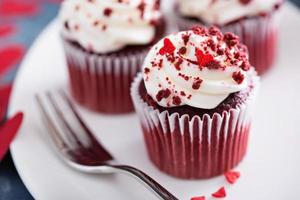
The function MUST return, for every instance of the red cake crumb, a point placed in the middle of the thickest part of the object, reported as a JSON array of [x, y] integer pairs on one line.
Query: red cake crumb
[[167, 48], [178, 63], [185, 38], [238, 77], [231, 39], [221, 193], [197, 83], [232, 176], [107, 12], [199, 30], [146, 70], [176, 100], [182, 50], [163, 94], [245, 1], [141, 7]]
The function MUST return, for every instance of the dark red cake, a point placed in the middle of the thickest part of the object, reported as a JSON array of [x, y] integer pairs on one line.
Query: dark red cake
[[185, 136]]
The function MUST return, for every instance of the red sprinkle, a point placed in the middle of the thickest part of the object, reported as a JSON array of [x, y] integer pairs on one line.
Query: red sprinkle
[[232, 176], [203, 59], [238, 77], [221, 193], [198, 198], [167, 48]]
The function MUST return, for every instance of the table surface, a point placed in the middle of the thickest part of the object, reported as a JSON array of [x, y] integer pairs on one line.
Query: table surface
[[11, 186]]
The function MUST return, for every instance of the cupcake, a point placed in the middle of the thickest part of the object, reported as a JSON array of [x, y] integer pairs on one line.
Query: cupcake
[[105, 42], [194, 99], [254, 21]]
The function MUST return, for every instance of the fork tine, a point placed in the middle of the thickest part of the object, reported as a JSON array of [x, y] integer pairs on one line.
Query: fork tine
[[54, 133], [71, 133], [97, 147]]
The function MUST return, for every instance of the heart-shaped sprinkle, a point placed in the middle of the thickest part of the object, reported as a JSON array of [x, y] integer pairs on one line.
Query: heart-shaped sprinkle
[[221, 193], [203, 59], [232, 176], [167, 48]]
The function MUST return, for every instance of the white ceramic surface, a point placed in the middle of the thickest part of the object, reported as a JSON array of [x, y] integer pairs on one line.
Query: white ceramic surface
[[269, 171]]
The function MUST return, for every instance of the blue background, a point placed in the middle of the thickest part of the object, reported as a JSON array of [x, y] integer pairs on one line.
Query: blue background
[[11, 186]]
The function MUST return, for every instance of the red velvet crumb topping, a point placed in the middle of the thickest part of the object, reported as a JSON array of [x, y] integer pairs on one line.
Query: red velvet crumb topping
[[176, 100], [163, 94], [197, 84], [238, 77], [107, 12]]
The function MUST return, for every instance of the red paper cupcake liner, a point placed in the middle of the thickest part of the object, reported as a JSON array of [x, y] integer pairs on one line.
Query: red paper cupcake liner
[[102, 82], [194, 148], [259, 34]]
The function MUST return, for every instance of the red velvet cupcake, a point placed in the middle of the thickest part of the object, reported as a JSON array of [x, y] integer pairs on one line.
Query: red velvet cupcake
[[194, 99], [254, 21], [105, 43]]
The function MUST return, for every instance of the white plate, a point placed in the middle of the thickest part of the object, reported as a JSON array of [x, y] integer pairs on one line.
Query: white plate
[[269, 171]]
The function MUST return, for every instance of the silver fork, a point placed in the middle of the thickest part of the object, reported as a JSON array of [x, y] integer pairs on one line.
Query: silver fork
[[79, 148]]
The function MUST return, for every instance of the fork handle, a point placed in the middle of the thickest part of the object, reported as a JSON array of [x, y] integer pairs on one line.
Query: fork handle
[[149, 182]]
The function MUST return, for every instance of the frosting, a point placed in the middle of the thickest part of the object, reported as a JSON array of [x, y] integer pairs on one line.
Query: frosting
[[199, 68], [224, 11], [104, 26]]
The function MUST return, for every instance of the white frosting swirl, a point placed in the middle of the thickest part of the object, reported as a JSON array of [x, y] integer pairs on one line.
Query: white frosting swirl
[[104, 26], [221, 12], [189, 83]]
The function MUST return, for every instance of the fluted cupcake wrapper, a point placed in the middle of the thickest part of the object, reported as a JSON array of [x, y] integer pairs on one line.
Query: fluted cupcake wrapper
[[259, 34], [102, 82], [194, 148]]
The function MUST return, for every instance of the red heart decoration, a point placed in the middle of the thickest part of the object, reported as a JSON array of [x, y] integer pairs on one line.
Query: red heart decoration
[[8, 131], [203, 59], [9, 56], [232, 176], [17, 8], [7, 30], [221, 193], [167, 48], [4, 97]]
